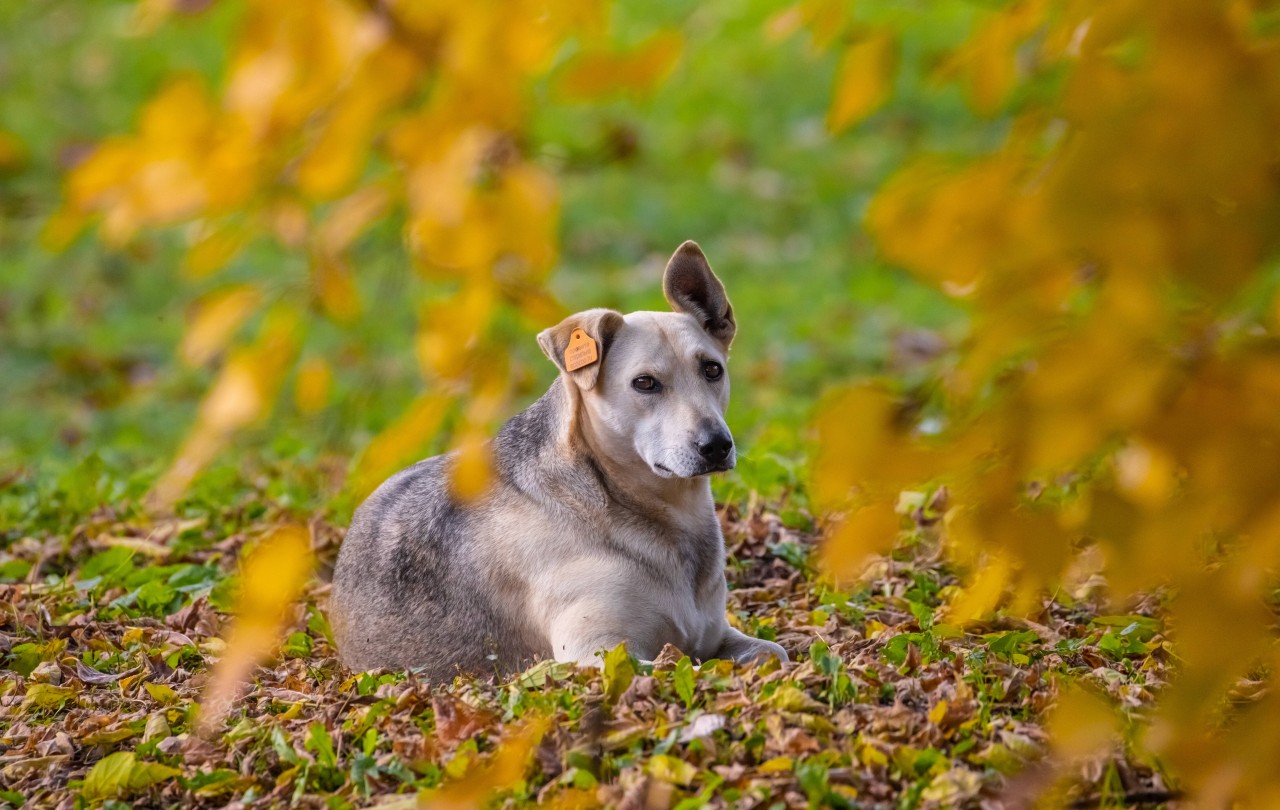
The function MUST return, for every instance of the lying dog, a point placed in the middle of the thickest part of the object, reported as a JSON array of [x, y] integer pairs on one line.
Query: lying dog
[[598, 527]]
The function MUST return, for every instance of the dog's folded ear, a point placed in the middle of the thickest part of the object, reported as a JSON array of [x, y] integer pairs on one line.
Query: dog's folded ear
[[690, 287], [599, 325]]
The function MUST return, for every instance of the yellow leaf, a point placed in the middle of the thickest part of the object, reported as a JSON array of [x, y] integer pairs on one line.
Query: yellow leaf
[[593, 75], [335, 288], [271, 578], [852, 429], [1146, 473], [12, 153], [529, 204], [339, 155], [938, 712], [403, 441], [243, 392], [671, 769], [572, 799], [452, 329], [213, 250], [214, 319], [1080, 723], [872, 757], [350, 217], [501, 770], [469, 245], [992, 54], [472, 468], [235, 399], [161, 693], [982, 596], [62, 228], [791, 698], [870, 530], [864, 80], [777, 765], [315, 378]]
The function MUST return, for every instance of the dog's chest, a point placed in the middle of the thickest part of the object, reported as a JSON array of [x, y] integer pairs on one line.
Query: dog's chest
[[684, 578]]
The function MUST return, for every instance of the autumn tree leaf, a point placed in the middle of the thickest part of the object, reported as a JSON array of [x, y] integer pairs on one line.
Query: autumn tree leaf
[[326, 119], [864, 80], [593, 74], [271, 578], [619, 671]]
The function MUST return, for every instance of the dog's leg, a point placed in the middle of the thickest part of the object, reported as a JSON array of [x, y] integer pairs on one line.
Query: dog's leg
[[744, 649], [582, 636]]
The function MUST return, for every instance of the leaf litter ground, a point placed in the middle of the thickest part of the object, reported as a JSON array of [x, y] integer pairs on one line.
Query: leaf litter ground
[[110, 627]]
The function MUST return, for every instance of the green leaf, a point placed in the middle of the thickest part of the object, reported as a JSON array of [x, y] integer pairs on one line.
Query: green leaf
[[109, 777], [823, 660], [814, 778], [146, 774], [321, 744], [895, 650], [112, 566], [619, 670], [544, 672], [684, 680], [161, 693], [120, 774], [155, 597], [671, 769], [1010, 644], [216, 783], [791, 698], [47, 696], [23, 658], [318, 625], [298, 645], [283, 749], [14, 571]]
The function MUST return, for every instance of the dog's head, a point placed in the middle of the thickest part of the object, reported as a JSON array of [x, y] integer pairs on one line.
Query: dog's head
[[659, 385]]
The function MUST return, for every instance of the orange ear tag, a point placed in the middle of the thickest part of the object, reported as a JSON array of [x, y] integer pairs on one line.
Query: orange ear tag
[[581, 351]]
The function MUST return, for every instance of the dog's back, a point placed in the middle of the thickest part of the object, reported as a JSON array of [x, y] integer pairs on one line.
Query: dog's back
[[423, 581], [407, 591]]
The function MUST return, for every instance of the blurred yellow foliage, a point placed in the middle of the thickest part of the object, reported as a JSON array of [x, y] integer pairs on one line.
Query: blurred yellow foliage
[[595, 74], [315, 379], [1081, 723], [271, 578], [214, 319], [332, 115], [1118, 386], [501, 770], [863, 80]]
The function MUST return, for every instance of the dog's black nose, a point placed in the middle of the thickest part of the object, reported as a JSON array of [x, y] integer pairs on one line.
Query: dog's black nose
[[716, 447]]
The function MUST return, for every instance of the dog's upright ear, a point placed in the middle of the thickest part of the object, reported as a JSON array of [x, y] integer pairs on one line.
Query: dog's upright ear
[[690, 287], [581, 362]]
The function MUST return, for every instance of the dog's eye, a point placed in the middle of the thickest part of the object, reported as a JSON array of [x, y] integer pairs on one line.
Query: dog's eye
[[712, 370], [645, 383]]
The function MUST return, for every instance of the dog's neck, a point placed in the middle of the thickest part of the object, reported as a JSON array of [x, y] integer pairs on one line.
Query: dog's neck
[[626, 478]]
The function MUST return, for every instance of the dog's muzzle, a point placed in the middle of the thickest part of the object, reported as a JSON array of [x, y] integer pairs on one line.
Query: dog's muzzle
[[715, 450]]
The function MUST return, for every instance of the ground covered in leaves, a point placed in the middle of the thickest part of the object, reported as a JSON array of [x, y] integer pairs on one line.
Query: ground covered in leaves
[[109, 628]]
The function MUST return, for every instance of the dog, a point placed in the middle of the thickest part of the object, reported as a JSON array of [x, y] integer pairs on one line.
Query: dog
[[597, 528]]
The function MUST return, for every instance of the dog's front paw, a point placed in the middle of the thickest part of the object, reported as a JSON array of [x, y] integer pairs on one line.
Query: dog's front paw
[[761, 651]]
